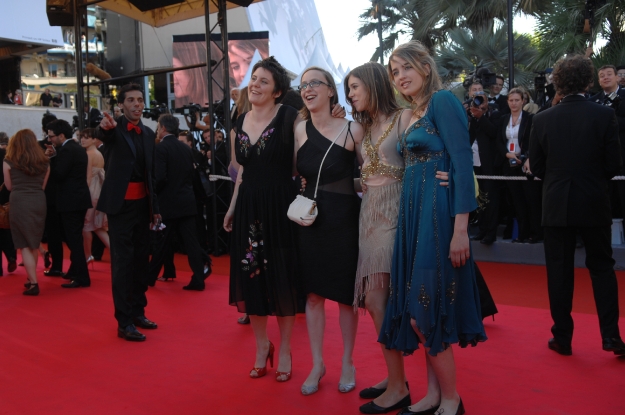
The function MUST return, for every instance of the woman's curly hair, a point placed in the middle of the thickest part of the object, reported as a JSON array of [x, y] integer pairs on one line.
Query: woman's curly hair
[[573, 74]]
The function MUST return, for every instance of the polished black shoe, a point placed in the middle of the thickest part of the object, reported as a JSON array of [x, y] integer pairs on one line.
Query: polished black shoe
[[478, 237], [194, 287], [75, 284], [53, 273], [144, 323], [558, 348], [615, 345], [488, 240], [12, 266], [372, 408], [208, 270], [130, 333], [372, 393], [431, 411], [534, 241]]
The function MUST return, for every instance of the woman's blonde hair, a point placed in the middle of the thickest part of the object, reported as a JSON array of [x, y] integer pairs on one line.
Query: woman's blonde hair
[[418, 56], [243, 103], [334, 99], [25, 154], [380, 94]]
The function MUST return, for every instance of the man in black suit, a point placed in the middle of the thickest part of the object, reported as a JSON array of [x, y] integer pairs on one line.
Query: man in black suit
[[495, 96], [483, 133], [129, 200], [68, 161], [92, 116], [174, 171], [574, 148], [613, 96]]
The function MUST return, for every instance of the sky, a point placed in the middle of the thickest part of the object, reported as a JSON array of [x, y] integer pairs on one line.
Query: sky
[[340, 21]]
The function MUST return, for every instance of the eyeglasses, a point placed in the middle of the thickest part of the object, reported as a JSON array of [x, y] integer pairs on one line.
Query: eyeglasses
[[51, 135], [621, 75], [312, 84]]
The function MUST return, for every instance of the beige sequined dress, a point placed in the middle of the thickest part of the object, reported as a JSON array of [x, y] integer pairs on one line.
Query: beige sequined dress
[[382, 171]]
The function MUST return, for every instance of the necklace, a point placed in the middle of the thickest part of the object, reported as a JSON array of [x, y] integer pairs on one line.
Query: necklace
[[518, 119], [375, 166]]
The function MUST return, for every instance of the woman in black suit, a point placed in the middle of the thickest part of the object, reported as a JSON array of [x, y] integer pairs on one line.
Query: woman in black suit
[[513, 141]]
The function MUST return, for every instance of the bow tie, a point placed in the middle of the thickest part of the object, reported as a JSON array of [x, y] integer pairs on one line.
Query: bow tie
[[132, 127]]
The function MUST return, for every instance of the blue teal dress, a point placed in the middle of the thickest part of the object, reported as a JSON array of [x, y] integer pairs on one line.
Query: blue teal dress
[[443, 300]]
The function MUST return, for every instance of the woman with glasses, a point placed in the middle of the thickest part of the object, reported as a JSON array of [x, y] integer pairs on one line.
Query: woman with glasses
[[328, 249], [434, 298], [262, 267], [26, 170]]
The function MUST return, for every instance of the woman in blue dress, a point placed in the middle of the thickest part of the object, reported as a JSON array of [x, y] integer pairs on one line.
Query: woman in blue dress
[[434, 299]]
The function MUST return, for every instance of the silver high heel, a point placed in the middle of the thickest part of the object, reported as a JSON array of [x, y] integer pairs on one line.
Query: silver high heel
[[309, 390], [348, 387]]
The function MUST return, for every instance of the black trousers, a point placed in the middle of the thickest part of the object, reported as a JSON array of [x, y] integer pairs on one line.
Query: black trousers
[[560, 256], [129, 233], [54, 234], [527, 199], [72, 224], [185, 227]]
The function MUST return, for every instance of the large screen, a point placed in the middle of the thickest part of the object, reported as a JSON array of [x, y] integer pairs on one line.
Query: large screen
[[191, 85], [26, 21]]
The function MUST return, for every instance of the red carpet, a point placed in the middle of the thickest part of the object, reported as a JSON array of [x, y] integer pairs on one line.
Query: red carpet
[[59, 354]]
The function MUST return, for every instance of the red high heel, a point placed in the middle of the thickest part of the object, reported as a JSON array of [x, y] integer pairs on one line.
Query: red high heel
[[259, 372], [286, 374]]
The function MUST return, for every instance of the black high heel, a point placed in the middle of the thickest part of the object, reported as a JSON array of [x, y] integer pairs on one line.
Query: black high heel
[[32, 290]]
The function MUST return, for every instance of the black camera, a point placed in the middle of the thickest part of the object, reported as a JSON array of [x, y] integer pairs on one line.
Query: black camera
[[514, 163], [193, 111], [156, 111], [478, 100]]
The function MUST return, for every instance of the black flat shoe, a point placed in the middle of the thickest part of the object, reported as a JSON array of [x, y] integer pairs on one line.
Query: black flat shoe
[[75, 284], [558, 348], [487, 240], [372, 393], [144, 323], [130, 333], [33, 289], [372, 408], [460, 410], [615, 345]]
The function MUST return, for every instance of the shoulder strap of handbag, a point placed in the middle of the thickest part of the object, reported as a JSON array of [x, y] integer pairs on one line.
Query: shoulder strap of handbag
[[324, 158]]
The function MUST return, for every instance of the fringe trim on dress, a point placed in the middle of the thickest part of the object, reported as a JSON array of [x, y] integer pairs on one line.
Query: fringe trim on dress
[[377, 226]]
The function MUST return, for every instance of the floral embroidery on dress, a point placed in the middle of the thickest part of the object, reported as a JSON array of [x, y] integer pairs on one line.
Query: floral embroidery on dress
[[424, 297], [253, 254], [263, 139], [244, 142]]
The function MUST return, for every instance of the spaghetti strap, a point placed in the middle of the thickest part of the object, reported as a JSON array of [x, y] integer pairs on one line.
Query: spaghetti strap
[[349, 132]]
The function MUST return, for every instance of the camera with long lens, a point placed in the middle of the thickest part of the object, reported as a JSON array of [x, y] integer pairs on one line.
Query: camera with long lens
[[155, 111], [191, 110]]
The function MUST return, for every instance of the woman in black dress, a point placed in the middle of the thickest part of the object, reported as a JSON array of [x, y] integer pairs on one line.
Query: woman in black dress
[[328, 249], [262, 267]]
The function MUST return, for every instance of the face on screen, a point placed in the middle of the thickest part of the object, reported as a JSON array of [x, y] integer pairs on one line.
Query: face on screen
[[239, 61]]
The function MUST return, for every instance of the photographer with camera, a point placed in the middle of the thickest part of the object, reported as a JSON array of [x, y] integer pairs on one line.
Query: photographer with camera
[[612, 95], [513, 142], [483, 122]]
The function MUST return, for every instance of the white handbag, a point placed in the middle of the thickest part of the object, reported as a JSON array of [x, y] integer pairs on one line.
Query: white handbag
[[303, 210]]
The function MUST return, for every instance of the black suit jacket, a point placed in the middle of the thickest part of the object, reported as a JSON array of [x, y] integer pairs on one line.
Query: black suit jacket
[[575, 149], [174, 171], [619, 111], [120, 163], [524, 139], [502, 104], [485, 132], [70, 177]]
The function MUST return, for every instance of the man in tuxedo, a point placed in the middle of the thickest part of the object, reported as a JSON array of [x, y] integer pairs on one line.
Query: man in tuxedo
[[68, 161], [483, 133], [174, 171], [495, 96], [92, 116], [608, 80], [574, 148], [129, 200]]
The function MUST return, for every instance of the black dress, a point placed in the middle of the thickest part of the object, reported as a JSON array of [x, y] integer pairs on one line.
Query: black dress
[[328, 249], [262, 260]]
